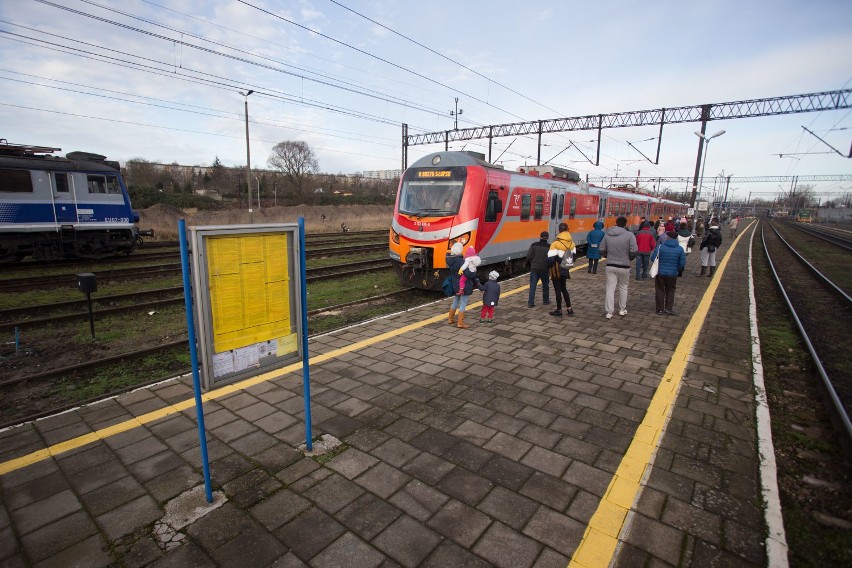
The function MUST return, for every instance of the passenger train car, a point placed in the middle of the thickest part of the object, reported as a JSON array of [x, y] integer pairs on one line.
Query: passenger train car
[[72, 207], [447, 197]]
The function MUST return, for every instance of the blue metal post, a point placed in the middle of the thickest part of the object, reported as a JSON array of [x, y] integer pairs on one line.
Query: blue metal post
[[17, 340], [306, 375], [196, 383]]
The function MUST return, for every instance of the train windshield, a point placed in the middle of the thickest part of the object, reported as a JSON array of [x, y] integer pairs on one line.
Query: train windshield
[[431, 192]]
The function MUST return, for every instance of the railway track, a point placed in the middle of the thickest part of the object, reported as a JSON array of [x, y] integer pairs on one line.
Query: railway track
[[839, 237], [822, 312], [170, 268], [179, 345], [163, 297], [142, 254]]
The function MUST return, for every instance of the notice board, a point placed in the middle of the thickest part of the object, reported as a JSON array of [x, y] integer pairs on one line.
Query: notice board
[[247, 283]]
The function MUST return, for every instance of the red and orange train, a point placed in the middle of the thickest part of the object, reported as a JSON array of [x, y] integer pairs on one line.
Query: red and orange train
[[447, 197]]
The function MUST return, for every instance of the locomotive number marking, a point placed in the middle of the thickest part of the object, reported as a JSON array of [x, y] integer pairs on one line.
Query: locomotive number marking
[[117, 220]]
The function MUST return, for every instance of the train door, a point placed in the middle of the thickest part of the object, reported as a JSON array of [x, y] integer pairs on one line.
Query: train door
[[64, 201], [602, 207]]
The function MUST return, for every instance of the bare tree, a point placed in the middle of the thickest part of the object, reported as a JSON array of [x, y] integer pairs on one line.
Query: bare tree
[[296, 161], [139, 171]]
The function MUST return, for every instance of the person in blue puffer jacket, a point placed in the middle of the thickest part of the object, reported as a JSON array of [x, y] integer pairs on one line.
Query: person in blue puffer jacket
[[672, 261], [593, 251]]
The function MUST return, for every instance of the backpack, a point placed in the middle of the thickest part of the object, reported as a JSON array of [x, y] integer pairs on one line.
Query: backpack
[[567, 260]]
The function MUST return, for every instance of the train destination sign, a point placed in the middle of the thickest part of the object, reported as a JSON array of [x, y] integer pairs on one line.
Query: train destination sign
[[434, 174]]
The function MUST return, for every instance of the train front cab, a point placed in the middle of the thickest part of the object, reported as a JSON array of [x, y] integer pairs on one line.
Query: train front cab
[[436, 207]]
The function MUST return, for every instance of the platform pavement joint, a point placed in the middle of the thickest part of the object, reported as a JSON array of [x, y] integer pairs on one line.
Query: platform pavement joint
[[487, 446]]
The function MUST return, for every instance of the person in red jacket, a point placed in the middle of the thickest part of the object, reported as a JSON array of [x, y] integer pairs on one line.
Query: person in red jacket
[[646, 240]]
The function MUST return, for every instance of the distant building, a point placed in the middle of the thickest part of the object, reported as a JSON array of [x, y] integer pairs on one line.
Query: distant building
[[382, 174]]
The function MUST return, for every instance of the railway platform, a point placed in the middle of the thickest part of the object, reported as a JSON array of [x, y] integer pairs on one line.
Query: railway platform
[[531, 441]]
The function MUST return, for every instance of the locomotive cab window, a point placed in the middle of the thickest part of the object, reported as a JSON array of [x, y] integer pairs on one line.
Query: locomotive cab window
[[493, 207], [573, 210], [15, 181], [112, 185], [97, 184], [526, 201], [539, 206]]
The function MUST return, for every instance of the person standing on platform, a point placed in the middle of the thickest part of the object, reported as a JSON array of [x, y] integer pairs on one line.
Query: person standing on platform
[[593, 248], [459, 305], [645, 241], [685, 240], [619, 248], [735, 222], [490, 297], [672, 262], [699, 227], [711, 241], [537, 257], [558, 257]]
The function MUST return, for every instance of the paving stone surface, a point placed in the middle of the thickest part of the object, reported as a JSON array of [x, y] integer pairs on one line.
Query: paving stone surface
[[489, 446]]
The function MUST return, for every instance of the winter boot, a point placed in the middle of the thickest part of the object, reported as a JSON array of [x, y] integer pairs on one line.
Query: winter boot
[[452, 316], [703, 270], [461, 323], [712, 270]]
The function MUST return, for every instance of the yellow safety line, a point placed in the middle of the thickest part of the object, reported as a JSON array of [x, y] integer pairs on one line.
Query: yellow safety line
[[600, 539], [135, 422]]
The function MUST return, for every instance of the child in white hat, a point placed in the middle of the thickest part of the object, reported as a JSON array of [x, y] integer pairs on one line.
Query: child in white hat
[[490, 297]]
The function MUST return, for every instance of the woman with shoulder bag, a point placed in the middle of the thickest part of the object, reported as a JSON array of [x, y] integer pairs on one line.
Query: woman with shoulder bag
[[560, 259], [670, 260]]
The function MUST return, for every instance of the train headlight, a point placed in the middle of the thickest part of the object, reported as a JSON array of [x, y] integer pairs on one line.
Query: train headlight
[[394, 236], [463, 239]]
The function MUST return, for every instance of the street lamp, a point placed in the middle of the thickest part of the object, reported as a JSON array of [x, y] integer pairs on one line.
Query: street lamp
[[248, 153], [707, 140]]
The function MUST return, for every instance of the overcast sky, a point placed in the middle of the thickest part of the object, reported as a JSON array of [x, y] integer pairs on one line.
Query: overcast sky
[[161, 79]]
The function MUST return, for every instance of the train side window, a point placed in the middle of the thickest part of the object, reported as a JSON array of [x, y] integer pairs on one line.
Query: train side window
[[62, 183], [539, 206], [561, 205], [573, 210], [493, 207], [526, 201], [15, 181], [553, 206], [112, 185], [97, 184]]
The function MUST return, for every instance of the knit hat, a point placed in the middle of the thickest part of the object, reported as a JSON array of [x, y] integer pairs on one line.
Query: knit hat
[[470, 252], [493, 275], [457, 249]]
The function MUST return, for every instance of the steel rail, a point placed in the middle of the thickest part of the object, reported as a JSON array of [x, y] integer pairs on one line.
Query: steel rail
[[316, 274], [836, 405]]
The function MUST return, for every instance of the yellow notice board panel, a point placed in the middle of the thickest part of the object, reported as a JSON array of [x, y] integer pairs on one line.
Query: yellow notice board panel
[[247, 278], [249, 300]]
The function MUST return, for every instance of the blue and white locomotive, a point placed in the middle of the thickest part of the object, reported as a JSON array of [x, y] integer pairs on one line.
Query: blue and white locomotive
[[53, 208]]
